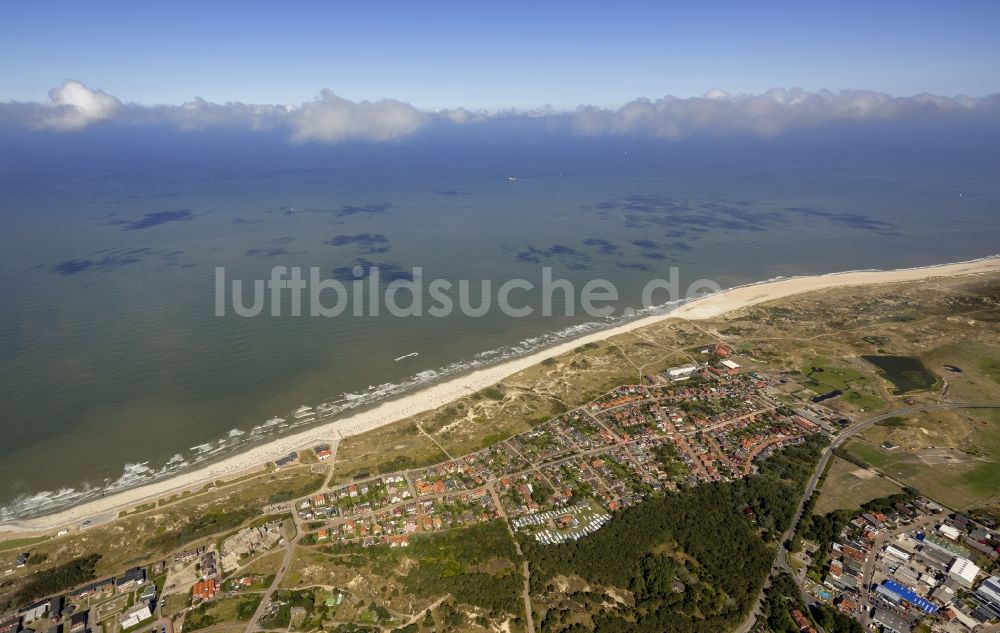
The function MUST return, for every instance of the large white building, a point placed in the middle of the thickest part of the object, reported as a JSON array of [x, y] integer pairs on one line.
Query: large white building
[[892, 550], [679, 373], [949, 531], [135, 616], [964, 571]]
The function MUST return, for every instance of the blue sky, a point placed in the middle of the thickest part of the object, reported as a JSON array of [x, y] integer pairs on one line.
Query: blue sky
[[494, 55]]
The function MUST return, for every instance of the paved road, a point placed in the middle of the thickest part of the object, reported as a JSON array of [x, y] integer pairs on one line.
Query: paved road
[[525, 568], [780, 561], [251, 626]]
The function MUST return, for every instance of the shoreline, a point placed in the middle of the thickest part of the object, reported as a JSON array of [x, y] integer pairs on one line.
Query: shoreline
[[440, 394]]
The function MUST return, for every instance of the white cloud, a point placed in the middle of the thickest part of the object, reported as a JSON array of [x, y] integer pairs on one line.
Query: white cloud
[[74, 106], [715, 93], [330, 118], [767, 114]]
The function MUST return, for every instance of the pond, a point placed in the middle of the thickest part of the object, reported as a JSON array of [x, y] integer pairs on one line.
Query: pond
[[906, 373]]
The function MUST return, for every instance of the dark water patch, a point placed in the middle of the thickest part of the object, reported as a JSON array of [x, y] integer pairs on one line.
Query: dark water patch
[[363, 269], [606, 247], [649, 244], [364, 209], [73, 266], [156, 218], [828, 396], [274, 251], [657, 256], [850, 220], [147, 198], [633, 266], [368, 243], [566, 255], [112, 258], [906, 373], [681, 216]]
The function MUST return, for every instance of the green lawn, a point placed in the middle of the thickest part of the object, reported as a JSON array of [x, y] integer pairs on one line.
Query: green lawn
[[875, 457], [860, 388]]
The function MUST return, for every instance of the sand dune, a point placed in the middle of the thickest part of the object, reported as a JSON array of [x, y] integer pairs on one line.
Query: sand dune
[[442, 393]]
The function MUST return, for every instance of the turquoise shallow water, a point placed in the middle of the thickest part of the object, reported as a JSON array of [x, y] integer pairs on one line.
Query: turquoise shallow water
[[114, 368]]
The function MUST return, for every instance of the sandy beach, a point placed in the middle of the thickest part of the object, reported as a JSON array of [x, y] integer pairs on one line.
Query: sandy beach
[[444, 392]]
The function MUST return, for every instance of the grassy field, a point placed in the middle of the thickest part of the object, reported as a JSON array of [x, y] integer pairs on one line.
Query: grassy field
[[848, 486], [860, 388], [175, 603], [266, 565], [979, 380], [20, 543], [956, 464], [392, 447], [221, 611]]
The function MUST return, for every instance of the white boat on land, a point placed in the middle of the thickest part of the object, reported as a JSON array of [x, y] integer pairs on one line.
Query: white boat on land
[[410, 355]]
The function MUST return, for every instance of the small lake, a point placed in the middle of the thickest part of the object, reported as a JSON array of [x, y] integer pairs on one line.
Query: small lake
[[906, 373]]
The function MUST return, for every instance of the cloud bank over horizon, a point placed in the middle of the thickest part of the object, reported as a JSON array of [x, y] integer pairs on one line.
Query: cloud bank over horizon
[[330, 118]]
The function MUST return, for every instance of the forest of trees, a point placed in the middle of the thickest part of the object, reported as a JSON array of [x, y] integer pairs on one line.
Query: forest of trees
[[781, 598], [833, 621], [728, 529], [53, 581]]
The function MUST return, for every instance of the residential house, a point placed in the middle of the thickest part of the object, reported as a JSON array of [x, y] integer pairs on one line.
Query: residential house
[[205, 589], [78, 622], [130, 580]]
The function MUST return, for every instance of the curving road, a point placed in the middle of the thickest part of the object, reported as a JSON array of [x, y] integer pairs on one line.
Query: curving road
[[286, 562], [781, 561]]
